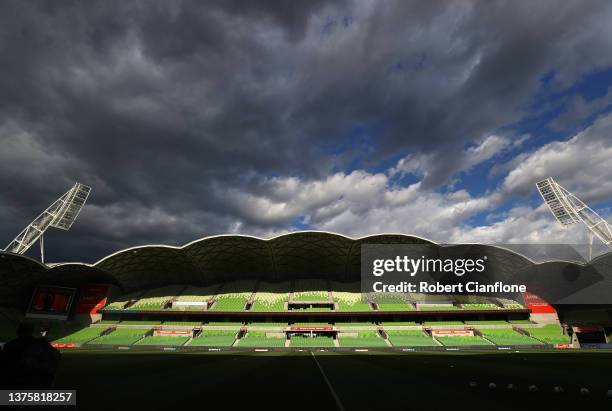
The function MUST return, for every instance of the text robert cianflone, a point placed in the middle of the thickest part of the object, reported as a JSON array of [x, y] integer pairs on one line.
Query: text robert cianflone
[[412, 266], [469, 287]]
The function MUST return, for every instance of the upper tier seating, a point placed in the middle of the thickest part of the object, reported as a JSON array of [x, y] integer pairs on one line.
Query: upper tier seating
[[271, 297], [234, 296], [348, 297], [310, 290], [157, 298], [393, 302]]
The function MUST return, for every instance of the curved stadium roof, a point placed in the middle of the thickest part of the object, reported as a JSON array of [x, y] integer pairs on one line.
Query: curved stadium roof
[[225, 258]]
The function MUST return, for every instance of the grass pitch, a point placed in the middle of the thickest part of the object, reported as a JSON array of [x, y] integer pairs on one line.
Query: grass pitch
[[151, 380]]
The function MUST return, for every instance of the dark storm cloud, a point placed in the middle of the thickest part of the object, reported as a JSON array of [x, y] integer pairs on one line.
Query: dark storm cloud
[[161, 106]]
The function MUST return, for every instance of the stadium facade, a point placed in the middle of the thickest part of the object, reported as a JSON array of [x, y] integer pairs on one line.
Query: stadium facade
[[276, 292]]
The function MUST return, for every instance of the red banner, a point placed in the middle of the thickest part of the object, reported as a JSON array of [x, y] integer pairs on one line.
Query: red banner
[[538, 305], [452, 332], [312, 329], [172, 332], [64, 345]]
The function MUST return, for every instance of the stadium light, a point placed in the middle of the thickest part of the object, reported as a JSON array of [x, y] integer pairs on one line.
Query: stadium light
[[569, 210], [61, 214]]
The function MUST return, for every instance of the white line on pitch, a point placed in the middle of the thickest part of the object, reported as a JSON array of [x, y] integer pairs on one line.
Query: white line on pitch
[[333, 392]]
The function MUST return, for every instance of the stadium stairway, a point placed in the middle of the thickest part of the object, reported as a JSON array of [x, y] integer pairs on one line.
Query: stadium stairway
[[384, 335]]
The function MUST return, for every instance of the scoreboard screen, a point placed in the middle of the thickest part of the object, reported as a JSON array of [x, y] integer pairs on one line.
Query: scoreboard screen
[[51, 302]]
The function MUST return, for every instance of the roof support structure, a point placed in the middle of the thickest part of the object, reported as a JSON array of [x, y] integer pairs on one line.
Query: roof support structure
[[61, 214], [569, 210]]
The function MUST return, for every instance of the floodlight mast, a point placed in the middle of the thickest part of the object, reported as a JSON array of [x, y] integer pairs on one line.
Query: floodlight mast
[[569, 209], [61, 214]]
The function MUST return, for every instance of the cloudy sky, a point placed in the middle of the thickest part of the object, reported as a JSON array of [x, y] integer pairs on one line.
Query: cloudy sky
[[191, 119]]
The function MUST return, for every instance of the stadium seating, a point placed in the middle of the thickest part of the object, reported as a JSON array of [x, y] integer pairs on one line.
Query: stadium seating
[[231, 302], [259, 339], [479, 307], [348, 298], [549, 334], [310, 290], [353, 324], [363, 339], [163, 340], [80, 337], [510, 304], [400, 323], [305, 342], [196, 294], [225, 324], [157, 298], [520, 322], [393, 302], [486, 322], [410, 338], [139, 322], [120, 336], [507, 336], [462, 340], [214, 338], [271, 297], [183, 323], [438, 323], [120, 302], [233, 296], [446, 307]]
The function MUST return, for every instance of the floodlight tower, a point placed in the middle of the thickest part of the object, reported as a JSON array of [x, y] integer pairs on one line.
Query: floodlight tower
[[61, 214], [569, 210]]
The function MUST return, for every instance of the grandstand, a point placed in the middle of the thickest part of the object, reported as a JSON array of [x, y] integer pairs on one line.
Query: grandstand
[[459, 340], [233, 297], [272, 297], [361, 339], [307, 341], [410, 338], [119, 336], [348, 298], [124, 301], [195, 298], [156, 299], [507, 336], [392, 302], [310, 290], [80, 337], [261, 305], [263, 339], [214, 338], [549, 334]]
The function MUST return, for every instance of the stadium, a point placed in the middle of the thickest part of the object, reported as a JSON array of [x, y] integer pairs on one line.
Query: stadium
[[296, 304], [299, 290]]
